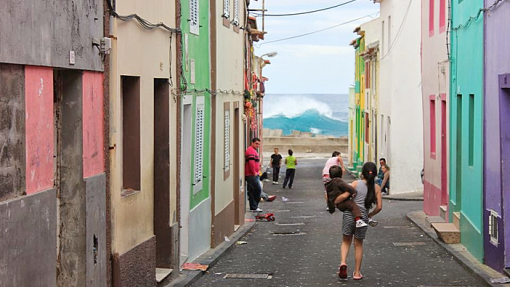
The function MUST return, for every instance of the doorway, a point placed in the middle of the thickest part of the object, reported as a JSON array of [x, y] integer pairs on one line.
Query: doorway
[[237, 180], [504, 107], [162, 174], [185, 195], [444, 152]]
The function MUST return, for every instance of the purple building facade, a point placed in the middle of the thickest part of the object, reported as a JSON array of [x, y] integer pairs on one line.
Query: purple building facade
[[497, 136]]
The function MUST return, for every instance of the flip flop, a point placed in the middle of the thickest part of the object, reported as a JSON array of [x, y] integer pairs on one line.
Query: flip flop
[[342, 272], [357, 277]]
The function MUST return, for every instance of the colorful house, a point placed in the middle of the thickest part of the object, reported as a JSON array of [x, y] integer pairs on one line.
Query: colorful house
[[195, 192], [435, 93], [52, 160], [143, 142], [227, 135], [496, 175], [466, 125]]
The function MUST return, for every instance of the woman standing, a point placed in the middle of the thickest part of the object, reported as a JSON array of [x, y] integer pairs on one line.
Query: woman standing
[[368, 194]]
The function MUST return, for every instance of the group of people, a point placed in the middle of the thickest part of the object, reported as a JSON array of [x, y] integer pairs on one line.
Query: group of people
[[359, 201]]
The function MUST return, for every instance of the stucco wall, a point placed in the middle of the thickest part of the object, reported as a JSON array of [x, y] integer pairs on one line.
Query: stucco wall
[[401, 94], [435, 82], [497, 62], [138, 52], [12, 131], [467, 79], [42, 33], [39, 128], [229, 77]]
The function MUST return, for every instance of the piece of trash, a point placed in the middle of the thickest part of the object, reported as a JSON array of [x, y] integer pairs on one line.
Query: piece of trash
[[501, 280], [249, 219], [194, 266], [218, 273], [226, 239], [241, 242], [284, 198]]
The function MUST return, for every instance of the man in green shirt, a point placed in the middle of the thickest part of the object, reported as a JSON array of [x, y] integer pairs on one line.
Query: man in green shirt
[[291, 163]]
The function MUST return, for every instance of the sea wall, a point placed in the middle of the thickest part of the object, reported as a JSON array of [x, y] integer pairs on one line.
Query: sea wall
[[303, 142]]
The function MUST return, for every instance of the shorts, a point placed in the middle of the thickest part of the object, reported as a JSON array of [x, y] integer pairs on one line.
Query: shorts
[[349, 225]]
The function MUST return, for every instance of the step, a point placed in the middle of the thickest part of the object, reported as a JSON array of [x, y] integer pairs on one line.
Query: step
[[456, 219], [447, 232], [507, 271], [434, 219], [443, 211], [162, 273]]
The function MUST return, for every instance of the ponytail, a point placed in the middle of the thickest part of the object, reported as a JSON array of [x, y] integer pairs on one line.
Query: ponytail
[[369, 172]]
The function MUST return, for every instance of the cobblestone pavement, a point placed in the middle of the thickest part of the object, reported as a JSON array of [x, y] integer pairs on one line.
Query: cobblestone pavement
[[302, 247]]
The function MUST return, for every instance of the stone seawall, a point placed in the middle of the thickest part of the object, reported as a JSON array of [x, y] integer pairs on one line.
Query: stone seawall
[[301, 142]]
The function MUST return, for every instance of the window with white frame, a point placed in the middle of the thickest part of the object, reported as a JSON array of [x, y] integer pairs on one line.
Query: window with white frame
[[493, 228], [199, 144], [194, 16], [226, 9], [236, 13]]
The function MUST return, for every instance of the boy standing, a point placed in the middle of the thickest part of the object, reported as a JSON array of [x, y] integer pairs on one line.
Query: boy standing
[[291, 162], [251, 174], [335, 159], [275, 163]]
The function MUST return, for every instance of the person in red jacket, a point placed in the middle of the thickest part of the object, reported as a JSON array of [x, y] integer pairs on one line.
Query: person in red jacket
[[251, 174]]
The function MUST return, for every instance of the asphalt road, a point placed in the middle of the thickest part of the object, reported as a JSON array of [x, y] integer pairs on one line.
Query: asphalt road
[[302, 247]]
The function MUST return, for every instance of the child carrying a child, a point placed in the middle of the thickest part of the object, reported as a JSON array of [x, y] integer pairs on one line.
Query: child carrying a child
[[340, 193]]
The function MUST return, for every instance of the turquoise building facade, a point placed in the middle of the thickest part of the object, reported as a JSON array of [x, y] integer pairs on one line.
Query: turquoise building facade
[[466, 121]]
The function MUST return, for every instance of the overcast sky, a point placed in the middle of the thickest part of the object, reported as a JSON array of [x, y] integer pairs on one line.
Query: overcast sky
[[319, 63]]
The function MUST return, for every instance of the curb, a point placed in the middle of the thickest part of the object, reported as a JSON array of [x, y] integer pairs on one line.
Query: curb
[[390, 197], [211, 257], [467, 264]]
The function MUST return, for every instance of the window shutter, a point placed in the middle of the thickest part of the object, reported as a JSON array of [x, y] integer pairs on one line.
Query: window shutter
[[194, 16], [236, 13], [226, 8], [227, 140], [199, 144]]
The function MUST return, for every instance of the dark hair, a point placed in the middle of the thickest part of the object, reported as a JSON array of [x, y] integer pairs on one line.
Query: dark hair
[[382, 158], [335, 171], [335, 154], [369, 172], [255, 140], [290, 152]]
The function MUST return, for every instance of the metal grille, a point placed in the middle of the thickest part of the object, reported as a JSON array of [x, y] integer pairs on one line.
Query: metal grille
[[194, 17], [493, 227], [246, 276]]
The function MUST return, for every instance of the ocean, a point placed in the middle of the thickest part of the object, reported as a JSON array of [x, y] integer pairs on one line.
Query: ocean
[[325, 114]]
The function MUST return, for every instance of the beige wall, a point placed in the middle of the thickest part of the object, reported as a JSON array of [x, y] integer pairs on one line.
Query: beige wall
[[143, 53], [230, 64]]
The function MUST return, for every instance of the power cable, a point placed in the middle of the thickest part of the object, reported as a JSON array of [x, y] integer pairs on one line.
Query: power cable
[[307, 12], [321, 30]]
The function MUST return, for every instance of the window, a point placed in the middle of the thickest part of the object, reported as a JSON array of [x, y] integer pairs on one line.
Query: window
[[130, 89], [367, 75], [431, 18], [226, 140], [432, 122], [226, 9], [382, 38], [367, 130], [236, 13], [199, 145], [471, 128], [194, 16], [493, 227], [442, 16]]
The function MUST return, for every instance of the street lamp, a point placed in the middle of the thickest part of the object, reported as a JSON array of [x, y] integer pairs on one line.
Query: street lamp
[[270, 55]]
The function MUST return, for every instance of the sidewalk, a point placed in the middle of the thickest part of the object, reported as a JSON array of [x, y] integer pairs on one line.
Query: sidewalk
[[410, 196], [211, 257], [458, 251]]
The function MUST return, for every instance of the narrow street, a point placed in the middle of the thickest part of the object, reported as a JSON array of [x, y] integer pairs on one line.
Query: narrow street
[[307, 253]]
